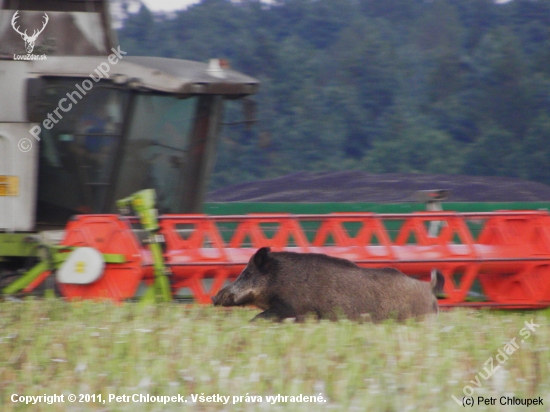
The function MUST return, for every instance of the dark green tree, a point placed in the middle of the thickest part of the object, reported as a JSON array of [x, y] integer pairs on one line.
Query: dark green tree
[[495, 153], [500, 72], [536, 150]]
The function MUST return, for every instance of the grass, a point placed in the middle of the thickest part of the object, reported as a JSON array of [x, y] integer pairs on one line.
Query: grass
[[54, 347]]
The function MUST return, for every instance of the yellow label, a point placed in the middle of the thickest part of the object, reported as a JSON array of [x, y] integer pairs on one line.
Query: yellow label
[[80, 266], [9, 185]]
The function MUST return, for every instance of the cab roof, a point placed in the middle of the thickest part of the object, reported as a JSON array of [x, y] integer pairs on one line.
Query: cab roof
[[156, 74]]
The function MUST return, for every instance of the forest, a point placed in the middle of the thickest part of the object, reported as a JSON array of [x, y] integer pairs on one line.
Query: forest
[[409, 86]]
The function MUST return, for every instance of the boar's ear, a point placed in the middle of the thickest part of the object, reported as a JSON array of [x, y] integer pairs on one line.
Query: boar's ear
[[261, 259]]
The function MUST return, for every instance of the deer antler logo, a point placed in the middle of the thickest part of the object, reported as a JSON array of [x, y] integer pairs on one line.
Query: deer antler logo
[[29, 40]]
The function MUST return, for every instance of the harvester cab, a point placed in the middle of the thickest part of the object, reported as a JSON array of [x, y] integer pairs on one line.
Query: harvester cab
[[152, 124], [84, 124]]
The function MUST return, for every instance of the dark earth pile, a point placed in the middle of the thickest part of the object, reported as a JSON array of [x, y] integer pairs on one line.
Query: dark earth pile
[[357, 186]]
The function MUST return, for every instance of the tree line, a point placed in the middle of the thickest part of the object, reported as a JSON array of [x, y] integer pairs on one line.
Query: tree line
[[412, 86]]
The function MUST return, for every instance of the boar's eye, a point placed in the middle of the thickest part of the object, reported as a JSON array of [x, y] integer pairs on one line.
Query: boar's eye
[[245, 274]]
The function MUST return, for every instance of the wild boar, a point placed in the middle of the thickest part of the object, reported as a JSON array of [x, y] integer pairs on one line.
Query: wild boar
[[293, 285]]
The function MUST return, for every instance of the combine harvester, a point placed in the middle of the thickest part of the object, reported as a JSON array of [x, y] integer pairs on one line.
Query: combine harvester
[[150, 129]]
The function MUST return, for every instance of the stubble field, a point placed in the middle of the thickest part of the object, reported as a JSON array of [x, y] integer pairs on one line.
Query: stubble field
[[93, 349]]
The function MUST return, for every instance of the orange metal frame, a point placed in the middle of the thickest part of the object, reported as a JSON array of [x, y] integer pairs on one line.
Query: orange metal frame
[[497, 259]]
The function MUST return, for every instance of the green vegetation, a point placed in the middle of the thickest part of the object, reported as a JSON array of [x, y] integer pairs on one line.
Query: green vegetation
[[445, 86], [54, 347]]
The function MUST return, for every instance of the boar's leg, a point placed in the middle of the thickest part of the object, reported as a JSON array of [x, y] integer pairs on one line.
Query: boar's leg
[[278, 311], [267, 314]]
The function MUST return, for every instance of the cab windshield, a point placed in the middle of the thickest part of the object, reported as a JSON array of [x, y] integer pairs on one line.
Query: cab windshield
[[155, 154]]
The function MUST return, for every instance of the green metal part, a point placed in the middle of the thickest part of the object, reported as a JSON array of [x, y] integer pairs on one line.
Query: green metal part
[[25, 280], [241, 208], [58, 256], [143, 203], [17, 245]]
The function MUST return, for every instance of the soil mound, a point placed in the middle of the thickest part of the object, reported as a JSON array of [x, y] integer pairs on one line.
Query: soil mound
[[357, 186]]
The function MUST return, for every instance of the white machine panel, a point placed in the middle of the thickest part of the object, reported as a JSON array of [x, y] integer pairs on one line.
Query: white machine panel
[[84, 266], [13, 76], [18, 169]]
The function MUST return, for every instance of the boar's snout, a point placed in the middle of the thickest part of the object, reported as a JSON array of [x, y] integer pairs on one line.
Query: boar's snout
[[224, 298]]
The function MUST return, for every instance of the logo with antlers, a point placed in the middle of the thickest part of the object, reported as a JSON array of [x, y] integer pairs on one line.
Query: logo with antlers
[[29, 40]]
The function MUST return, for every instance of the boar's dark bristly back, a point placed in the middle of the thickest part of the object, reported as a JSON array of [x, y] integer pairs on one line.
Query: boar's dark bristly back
[[321, 258]]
